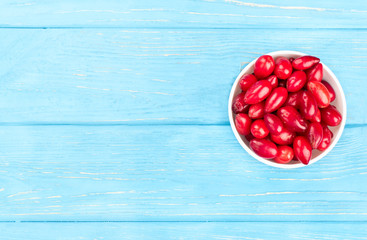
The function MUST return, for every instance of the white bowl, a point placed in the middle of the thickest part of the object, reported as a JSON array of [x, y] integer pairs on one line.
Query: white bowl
[[339, 103]]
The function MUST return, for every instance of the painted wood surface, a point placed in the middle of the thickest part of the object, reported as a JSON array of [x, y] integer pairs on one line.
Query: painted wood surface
[[170, 173], [155, 76], [186, 13], [183, 230], [117, 111]]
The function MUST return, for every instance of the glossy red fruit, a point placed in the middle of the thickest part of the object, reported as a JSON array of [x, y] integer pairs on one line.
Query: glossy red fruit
[[314, 134], [258, 129], [315, 73], [326, 139], [246, 81], [330, 89], [258, 92], [317, 117], [286, 137], [282, 83], [239, 105], [264, 66], [292, 119], [264, 148], [304, 62], [325, 127], [285, 154], [256, 110], [276, 99], [320, 93], [292, 99], [273, 81], [273, 124], [307, 105], [331, 116], [283, 68], [291, 59], [296, 81], [243, 123], [302, 149]]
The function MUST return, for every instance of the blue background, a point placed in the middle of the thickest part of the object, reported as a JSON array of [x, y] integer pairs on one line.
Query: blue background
[[114, 122]]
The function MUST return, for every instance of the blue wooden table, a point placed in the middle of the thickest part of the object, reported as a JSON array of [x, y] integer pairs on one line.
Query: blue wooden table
[[114, 123]]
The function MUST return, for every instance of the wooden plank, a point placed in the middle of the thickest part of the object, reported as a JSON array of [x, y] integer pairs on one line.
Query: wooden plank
[[154, 76], [170, 173], [183, 230], [186, 13]]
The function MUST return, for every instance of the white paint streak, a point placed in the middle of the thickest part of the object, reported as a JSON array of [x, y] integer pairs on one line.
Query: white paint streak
[[54, 197], [20, 193], [137, 119], [258, 194], [266, 214], [93, 11], [79, 74], [274, 6]]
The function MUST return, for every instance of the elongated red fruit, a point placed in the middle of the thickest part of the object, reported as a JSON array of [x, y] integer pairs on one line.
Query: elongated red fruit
[[302, 149], [243, 123], [326, 139], [264, 66], [273, 81], [258, 92], [317, 117], [285, 154], [331, 116], [283, 68], [330, 89], [305, 62], [292, 119], [246, 81], [258, 129], [239, 105], [292, 99], [276, 99], [256, 110], [307, 105], [320, 93], [315, 73], [296, 81], [314, 134], [286, 137], [273, 124], [264, 148]]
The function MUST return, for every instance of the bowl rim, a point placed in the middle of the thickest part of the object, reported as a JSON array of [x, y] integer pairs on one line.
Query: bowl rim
[[268, 161]]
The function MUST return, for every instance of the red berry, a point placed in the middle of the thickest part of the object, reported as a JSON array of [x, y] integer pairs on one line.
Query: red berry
[[330, 89], [257, 92], [296, 81], [314, 134], [239, 105], [264, 66], [257, 110], [285, 154], [258, 129], [292, 119], [273, 81], [320, 93], [315, 73], [331, 116], [276, 99], [273, 124], [246, 81], [307, 105], [305, 62], [302, 149], [264, 148], [283, 68], [243, 123], [285, 137]]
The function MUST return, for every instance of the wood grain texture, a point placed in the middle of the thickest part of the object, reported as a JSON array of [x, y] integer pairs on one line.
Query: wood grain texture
[[170, 173], [186, 13], [155, 76], [183, 230]]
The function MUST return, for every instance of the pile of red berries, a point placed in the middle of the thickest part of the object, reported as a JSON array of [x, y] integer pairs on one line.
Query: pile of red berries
[[284, 108]]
